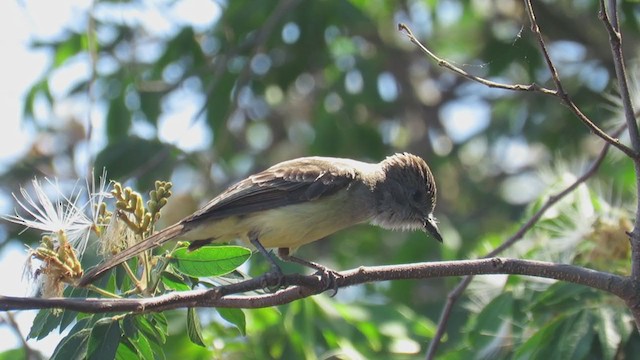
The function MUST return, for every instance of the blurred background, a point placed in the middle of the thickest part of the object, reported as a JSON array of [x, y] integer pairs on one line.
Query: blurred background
[[203, 93]]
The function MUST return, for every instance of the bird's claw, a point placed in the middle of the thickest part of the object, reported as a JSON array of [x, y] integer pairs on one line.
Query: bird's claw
[[329, 278], [274, 280]]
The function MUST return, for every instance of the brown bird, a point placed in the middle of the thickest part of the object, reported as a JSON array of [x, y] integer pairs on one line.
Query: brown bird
[[303, 200]]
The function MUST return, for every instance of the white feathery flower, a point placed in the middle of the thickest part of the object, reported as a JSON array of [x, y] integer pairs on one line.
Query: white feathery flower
[[55, 212], [97, 196], [52, 216]]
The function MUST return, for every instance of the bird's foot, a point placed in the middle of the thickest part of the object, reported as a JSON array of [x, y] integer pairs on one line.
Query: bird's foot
[[329, 279], [274, 280], [327, 276]]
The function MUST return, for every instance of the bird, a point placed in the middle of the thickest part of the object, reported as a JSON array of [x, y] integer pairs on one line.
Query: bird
[[299, 201]]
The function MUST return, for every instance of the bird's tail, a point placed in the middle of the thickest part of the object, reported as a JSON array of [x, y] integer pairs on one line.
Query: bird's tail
[[152, 241]]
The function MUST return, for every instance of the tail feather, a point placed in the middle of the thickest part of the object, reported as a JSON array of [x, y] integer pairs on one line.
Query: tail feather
[[154, 240]]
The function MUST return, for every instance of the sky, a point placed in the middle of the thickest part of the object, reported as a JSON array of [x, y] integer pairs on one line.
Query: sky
[[21, 68], [26, 20]]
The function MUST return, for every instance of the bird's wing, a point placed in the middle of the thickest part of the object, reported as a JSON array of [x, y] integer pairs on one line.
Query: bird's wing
[[287, 183]]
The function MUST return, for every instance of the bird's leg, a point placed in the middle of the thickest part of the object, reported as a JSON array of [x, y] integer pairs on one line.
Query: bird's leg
[[275, 268], [327, 275]]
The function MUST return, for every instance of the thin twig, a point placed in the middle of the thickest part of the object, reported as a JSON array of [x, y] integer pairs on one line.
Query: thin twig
[[492, 84], [305, 286], [13, 324]]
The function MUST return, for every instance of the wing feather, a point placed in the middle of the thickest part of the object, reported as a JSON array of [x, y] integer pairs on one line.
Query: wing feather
[[287, 183]]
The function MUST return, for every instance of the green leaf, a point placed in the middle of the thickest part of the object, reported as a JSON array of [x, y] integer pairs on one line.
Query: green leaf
[[149, 330], [118, 119], [157, 349], [153, 329], [371, 332], [73, 346], [218, 109], [209, 260], [121, 281], [235, 317], [67, 318], [150, 105], [194, 330], [577, 336], [129, 328], [68, 48], [41, 88], [143, 347], [43, 324], [126, 351], [105, 338], [613, 327], [566, 337], [13, 354], [160, 321], [174, 281], [561, 295], [490, 322]]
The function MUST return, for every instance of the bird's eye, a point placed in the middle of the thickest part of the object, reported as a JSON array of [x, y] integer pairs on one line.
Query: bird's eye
[[417, 196]]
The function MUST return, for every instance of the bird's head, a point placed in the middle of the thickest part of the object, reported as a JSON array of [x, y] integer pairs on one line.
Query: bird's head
[[406, 195]]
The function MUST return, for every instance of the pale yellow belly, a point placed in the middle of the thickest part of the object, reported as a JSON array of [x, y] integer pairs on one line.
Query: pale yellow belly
[[287, 227]]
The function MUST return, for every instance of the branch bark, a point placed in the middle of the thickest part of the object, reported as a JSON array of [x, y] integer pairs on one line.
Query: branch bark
[[305, 286], [609, 16]]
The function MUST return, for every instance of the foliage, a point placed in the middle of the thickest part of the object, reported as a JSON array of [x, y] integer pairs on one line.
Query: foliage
[[272, 80]]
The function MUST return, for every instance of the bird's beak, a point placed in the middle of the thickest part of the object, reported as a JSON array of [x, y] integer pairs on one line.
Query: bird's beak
[[431, 227]]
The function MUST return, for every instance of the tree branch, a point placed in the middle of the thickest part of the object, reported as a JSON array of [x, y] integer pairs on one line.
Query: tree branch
[[615, 40], [562, 94], [305, 286]]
